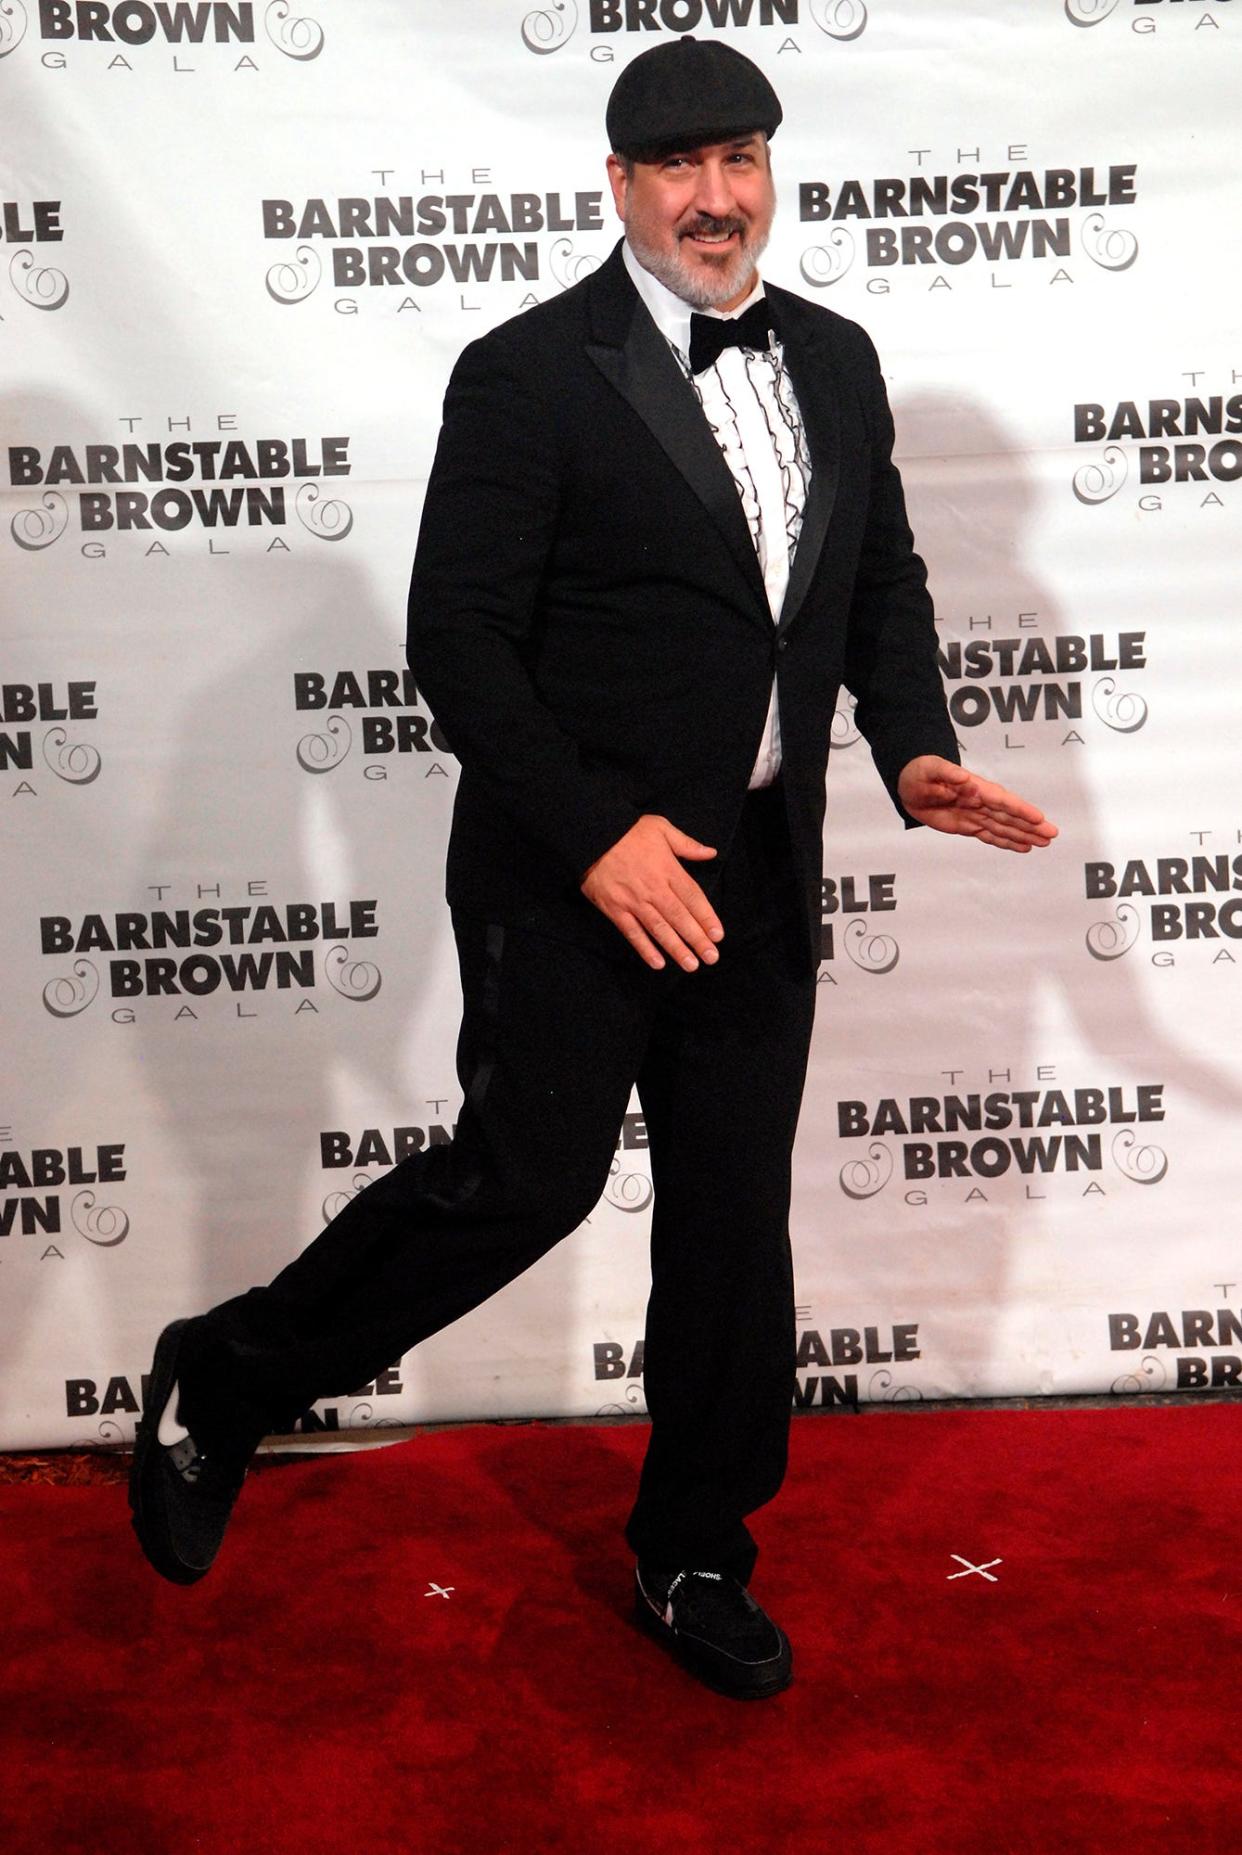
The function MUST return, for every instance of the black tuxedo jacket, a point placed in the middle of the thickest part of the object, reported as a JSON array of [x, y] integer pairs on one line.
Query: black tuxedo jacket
[[587, 617]]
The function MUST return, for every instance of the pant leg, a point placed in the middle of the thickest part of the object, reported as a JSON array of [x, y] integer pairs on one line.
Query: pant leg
[[721, 1088], [551, 1040]]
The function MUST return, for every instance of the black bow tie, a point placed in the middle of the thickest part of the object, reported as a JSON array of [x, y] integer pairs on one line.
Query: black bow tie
[[711, 335]]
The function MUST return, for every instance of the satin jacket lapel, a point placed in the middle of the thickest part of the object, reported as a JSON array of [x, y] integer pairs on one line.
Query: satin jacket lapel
[[637, 360], [810, 363]]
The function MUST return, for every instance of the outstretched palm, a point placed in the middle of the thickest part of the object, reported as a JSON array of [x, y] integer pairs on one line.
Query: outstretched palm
[[950, 798]]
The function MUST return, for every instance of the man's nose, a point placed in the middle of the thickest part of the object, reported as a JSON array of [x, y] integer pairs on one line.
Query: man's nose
[[714, 194]]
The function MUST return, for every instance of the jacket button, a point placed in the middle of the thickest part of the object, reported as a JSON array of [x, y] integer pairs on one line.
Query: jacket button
[[781, 643]]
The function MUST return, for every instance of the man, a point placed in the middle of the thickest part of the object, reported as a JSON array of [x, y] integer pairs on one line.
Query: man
[[648, 558]]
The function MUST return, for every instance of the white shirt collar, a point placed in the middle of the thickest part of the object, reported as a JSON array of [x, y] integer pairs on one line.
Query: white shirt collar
[[670, 314]]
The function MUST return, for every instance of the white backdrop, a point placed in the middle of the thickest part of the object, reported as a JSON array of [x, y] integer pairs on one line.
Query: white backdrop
[[240, 248]]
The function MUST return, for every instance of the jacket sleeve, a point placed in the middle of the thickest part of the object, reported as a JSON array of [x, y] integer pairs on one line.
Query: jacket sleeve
[[487, 532], [890, 657]]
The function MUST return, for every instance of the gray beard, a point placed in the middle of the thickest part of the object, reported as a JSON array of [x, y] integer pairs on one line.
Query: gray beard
[[701, 292]]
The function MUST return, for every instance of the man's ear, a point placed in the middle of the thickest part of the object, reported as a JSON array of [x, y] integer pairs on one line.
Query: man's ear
[[619, 182]]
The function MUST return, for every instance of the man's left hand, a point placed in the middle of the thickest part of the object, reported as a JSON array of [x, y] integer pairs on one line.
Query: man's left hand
[[950, 798]]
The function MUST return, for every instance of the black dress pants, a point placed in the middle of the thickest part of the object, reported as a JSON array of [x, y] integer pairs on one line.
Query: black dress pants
[[552, 1039]]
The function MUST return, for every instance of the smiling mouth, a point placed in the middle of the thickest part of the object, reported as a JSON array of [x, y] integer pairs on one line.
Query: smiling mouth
[[721, 233]]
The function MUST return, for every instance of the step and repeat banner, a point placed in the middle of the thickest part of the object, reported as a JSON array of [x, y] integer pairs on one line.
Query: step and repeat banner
[[240, 248]]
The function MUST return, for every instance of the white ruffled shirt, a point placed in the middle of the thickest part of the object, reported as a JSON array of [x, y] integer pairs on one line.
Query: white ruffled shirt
[[748, 400]]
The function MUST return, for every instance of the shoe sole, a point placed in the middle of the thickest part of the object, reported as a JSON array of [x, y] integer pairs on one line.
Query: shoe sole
[[158, 1550], [654, 1626]]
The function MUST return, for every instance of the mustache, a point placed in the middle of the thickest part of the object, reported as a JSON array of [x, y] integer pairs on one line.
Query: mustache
[[704, 225]]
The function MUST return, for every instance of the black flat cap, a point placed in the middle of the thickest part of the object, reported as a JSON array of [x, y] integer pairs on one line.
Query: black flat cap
[[685, 93]]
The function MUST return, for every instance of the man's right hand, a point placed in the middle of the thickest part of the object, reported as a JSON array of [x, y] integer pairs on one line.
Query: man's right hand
[[645, 892]]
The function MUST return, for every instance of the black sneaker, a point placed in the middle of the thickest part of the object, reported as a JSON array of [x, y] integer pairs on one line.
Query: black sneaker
[[180, 1497], [716, 1630]]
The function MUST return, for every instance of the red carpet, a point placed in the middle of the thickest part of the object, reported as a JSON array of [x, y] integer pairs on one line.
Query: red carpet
[[310, 1698]]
